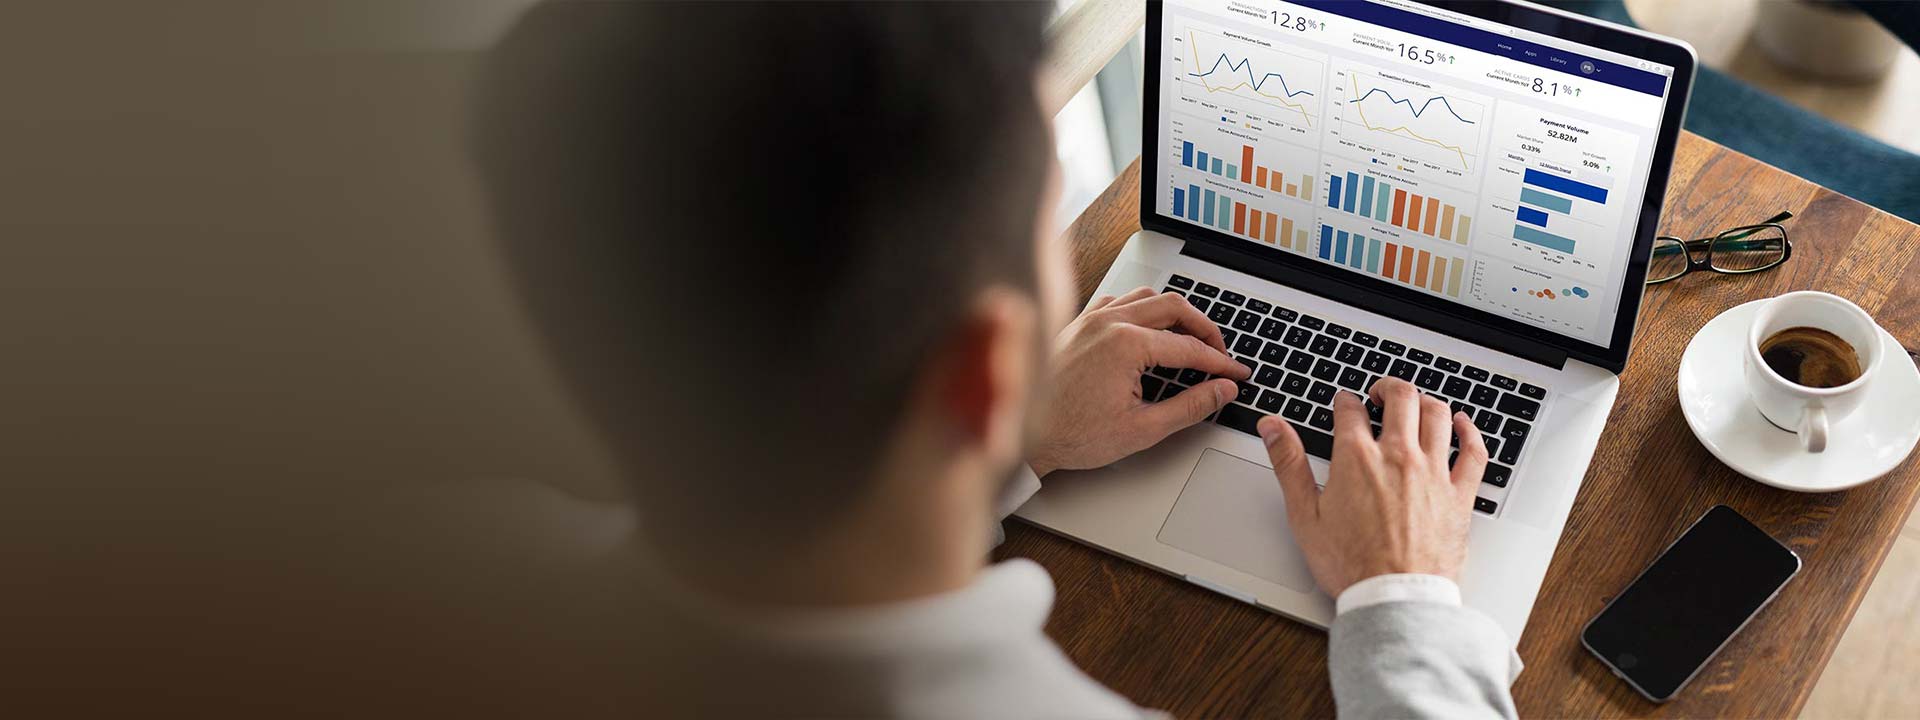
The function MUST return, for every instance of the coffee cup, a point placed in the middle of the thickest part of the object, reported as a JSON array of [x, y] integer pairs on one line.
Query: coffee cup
[[1809, 359]]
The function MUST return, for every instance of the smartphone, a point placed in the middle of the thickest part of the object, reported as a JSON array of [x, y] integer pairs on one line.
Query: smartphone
[[1663, 628]]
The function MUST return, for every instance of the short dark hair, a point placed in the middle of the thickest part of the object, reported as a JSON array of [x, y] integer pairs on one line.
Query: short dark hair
[[741, 227]]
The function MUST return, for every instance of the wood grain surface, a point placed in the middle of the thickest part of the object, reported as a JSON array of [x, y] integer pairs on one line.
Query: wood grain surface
[[1169, 645]]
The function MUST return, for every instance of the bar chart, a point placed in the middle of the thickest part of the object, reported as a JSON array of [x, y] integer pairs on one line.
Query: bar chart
[[1244, 168], [1202, 205], [1386, 202], [1542, 192], [1394, 261]]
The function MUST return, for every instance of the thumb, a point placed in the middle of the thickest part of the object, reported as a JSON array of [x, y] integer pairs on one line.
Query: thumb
[[1289, 460], [1195, 404]]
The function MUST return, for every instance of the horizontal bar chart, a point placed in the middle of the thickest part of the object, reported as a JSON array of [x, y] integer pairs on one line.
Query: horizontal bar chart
[[1204, 206], [1393, 261], [1564, 185], [1381, 201], [1542, 238], [1247, 170]]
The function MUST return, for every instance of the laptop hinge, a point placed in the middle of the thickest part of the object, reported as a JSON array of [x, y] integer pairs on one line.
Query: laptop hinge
[[1440, 322]]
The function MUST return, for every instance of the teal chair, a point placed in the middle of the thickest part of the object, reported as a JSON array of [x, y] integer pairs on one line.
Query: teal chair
[[1747, 119]]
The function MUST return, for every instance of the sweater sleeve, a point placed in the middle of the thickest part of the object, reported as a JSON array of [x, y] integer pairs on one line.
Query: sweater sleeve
[[1413, 659]]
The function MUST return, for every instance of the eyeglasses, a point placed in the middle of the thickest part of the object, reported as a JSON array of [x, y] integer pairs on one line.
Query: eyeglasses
[[1739, 251]]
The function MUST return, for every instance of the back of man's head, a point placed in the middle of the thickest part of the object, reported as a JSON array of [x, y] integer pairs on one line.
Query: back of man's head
[[742, 227]]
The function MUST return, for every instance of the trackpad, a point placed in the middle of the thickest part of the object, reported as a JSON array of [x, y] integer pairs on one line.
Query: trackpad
[[1232, 512]]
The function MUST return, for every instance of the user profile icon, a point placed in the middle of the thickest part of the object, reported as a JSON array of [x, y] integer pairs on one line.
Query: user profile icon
[[1586, 66]]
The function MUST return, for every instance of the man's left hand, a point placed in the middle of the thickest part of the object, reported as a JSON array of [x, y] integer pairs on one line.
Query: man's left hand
[[1092, 413]]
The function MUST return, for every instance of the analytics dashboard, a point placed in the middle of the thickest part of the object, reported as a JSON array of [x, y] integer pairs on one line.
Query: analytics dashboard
[[1476, 163]]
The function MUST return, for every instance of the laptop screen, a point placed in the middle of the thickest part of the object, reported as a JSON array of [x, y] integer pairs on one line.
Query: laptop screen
[[1473, 162]]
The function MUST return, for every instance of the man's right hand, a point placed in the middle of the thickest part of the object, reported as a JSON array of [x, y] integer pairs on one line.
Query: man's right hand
[[1390, 505]]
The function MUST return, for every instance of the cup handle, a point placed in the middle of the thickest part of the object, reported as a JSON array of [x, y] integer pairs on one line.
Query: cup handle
[[1813, 429]]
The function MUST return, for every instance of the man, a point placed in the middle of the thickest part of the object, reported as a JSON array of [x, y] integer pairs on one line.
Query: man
[[796, 263]]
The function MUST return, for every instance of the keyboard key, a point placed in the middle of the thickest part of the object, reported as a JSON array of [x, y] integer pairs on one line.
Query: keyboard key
[[1497, 475], [1172, 390], [1484, 396], [1232, 298], [1402, 369], [1324, 345], [1420, 356], [1350, 353], [1150, 387], [1268, 376], [1260, 306], [1487, 420], [1246, 322], [1533, 391], [1376, 362], [1242, 418], [1181, 281], [1322, 418], [1297, 410], [1285, 314], [1493, 445], [1295, 385], [1515, 429], [1300, 362], [1366, 339], [1375, 413], [1199, 303], [1475, 374], [1353, 379], [1340, 331], [1457, 388], [1392, 348], [1505, 383], [1271, 329], [1221, 313], [1371, 379], [1428, 379], [1447, 364], [1320, 394], [1510, 451], [1252, 367], [1518, 406], [1165, 372], [1270, 402], [1298, 337], [1247, 345], [1316, 443], [1248, 393], [1312, 323], [1324, 369], [1190, 376], [1484, 505], [1227, 336], [1207, 290], [1272, 353], [1459, 407], [1174, 290]]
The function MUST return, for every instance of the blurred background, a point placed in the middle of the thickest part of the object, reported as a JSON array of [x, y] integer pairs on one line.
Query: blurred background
[[266, 401]]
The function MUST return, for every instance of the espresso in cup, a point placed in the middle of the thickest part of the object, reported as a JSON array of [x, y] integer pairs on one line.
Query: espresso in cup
[[1811, 357]]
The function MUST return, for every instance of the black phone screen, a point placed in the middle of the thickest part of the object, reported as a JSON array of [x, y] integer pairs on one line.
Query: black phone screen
[[1666, 625]]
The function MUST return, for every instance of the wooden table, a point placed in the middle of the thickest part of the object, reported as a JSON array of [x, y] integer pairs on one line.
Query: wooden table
[[1167, 644]]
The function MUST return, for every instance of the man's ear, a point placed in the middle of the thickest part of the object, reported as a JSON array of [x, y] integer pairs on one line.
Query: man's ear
[[988, 375]]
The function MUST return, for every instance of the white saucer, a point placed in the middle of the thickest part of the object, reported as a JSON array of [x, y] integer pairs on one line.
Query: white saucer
[[1864, 446]]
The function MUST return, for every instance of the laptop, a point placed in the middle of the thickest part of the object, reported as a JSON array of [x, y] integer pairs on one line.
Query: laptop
[[1463, 195]]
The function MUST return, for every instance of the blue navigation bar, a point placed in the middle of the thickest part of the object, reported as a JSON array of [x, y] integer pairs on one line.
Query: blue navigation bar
[[1517, 50], [1565, 186]]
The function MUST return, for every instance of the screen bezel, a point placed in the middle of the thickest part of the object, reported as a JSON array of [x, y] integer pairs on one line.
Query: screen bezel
[[1446, 317], [1639, 683]]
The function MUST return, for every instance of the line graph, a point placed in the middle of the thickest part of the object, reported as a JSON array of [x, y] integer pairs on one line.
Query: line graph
[[1222, 68], [1429, 124]]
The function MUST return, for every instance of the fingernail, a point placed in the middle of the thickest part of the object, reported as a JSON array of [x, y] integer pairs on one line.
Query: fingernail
[[1269, 428], [1227, 393]]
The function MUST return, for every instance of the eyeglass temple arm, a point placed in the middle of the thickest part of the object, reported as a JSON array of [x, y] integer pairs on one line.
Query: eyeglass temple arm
[[1700, 243]]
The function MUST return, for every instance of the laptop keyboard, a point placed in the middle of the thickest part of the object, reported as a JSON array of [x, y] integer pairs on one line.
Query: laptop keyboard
[[1300, 362]]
